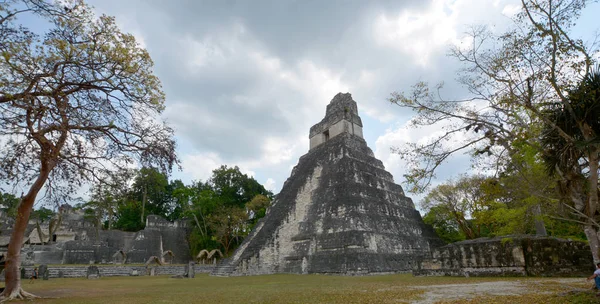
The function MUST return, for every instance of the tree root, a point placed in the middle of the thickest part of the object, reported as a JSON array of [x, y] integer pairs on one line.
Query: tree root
[[17, 294]]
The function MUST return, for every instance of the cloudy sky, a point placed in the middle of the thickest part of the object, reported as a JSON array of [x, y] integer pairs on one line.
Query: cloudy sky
[[245, 80]]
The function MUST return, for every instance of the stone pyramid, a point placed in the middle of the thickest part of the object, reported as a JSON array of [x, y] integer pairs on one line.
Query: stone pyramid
[[339, 212]]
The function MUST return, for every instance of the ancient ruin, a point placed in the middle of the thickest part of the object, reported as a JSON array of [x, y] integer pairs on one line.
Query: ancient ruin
[[70, 238], [339, 212], [519, 255]]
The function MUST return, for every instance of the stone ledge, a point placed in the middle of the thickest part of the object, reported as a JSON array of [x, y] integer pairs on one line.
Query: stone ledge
[[516, 255], [121, 270]]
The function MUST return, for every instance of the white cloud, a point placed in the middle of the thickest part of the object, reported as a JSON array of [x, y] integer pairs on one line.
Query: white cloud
[[270, 184], [400, 135], [511, 9], [200, 166], [419, 33], [244, 84]]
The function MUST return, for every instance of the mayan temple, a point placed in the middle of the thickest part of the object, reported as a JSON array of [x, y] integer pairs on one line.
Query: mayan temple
[[339, 212]]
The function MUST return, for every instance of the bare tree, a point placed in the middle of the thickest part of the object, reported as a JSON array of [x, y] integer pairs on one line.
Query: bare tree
[[76, 102], [513, 79]]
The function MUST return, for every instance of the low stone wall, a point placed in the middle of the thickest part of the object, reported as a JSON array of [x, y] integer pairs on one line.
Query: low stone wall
[[120, 270], [509, 256]]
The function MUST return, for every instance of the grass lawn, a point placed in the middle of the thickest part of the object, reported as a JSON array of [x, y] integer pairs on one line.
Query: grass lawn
[[400, 288]]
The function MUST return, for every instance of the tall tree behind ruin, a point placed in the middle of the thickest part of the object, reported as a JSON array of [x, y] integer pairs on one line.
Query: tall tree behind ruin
[[75, 102], [513, 79]]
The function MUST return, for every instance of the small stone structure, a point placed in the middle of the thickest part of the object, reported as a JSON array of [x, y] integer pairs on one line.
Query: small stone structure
[[43, 272], [77, 241], [190, 271], [339, 212], [522, 255], [93, 272]]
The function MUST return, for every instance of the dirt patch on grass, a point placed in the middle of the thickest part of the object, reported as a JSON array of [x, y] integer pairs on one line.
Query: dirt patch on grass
[[513, 289]]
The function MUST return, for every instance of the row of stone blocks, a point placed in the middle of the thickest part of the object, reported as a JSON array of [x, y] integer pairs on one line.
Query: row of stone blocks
[[518, 255], [113, 271]]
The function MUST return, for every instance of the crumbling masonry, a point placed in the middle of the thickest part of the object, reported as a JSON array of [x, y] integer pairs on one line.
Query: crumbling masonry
[[339, 212]]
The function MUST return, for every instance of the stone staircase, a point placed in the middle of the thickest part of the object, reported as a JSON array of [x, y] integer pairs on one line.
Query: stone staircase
[[223, 269]]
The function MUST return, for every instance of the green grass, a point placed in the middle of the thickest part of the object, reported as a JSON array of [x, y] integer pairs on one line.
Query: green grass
[[401, 288]]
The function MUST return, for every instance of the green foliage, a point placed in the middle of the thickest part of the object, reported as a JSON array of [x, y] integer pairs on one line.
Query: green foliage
[[43, 215], [527, 102], [199, 241], [223, 209], [233, 188], [128, 217], [454, 203], [583, 108], [9, 204], [257, 208], [443, 225], [229, 225], [151, 188], [506, 240]]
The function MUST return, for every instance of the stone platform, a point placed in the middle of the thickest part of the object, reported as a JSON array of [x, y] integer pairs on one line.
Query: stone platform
[[80, 271], [520, 255]]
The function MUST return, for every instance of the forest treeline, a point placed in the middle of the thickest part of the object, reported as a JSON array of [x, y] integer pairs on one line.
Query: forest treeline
[[221, 210]]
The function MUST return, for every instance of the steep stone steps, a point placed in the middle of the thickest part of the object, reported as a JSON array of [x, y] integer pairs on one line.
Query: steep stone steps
[[223, 269]]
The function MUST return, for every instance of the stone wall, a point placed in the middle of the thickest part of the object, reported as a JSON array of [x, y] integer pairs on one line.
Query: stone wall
[[123, 270], [509, 256], [98, 246]]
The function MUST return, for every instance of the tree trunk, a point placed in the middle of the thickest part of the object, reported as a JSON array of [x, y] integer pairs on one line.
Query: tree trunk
[[144, 196], [110, 217], [590, 230], [12, 276], [592, 236], [198, 224], [540, 228], [39, 232]]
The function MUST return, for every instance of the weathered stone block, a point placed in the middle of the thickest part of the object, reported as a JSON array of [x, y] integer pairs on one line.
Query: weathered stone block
[[43, 272], [509, 256], [339, 212], [191, 271], [93, 272]]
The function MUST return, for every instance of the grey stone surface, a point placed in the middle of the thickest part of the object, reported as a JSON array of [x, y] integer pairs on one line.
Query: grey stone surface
[[190, 270], [341, 116], [519, 255], [339, 212], [92, 272], [43, 272], [85, 244], [78, 271]]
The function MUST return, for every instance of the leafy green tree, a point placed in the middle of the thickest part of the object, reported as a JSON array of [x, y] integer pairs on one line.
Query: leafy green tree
[[180, 196], [128, 216], [234, 188], [151, 188], [513, 78], [257, 208], [106, 197], [43, 215], [571, 142], [458, 200], [229, 225], [76, 101], [444, 225], [9, 203]]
